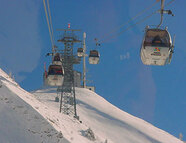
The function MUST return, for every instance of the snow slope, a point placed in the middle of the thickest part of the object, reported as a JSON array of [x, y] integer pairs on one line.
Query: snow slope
[[108, 123], [19, 122]]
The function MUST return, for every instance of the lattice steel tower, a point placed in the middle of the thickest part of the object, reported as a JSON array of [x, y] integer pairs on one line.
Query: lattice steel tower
[[67, 91]]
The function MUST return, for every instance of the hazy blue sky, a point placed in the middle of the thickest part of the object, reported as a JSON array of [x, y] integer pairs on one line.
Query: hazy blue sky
[[155, 94]]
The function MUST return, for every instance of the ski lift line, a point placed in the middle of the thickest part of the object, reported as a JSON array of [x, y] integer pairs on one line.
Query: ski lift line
[[46, 14], [169, 3], [140, 13], [162, 11], [141, 21], [128, 28], [50, 19]]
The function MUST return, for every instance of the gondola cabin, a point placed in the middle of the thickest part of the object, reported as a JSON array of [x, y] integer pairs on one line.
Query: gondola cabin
[[80, 52], [94, 57], [57, 59], [156, 47], [54, 76]]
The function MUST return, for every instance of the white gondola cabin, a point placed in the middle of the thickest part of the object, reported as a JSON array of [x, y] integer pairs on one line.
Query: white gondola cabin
[[54, 76], [94, 57], [157, 47], [80, 52], [57, 59]]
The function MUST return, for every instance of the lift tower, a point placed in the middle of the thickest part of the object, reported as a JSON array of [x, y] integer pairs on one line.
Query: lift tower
[[67, 91]]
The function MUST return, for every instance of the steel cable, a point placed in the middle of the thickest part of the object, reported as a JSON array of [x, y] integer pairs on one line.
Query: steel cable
[[144, 19], [51, 38]]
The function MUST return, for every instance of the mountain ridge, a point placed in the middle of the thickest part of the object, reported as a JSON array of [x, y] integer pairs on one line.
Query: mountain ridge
[[107, 122]]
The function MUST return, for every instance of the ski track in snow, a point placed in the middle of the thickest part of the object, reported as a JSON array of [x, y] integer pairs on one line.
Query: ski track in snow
[[106, 121]]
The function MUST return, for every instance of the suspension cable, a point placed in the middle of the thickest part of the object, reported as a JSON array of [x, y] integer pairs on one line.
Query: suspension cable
[[129, 27], [169, 3], [49, 27], [50, 19], [133, 18]]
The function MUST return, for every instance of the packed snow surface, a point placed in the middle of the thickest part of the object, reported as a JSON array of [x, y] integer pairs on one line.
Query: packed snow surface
[[106, 122], [20, 122]]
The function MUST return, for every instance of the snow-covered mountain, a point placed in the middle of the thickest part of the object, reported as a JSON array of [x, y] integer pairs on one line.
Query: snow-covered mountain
[[19, 121], [34, 117]]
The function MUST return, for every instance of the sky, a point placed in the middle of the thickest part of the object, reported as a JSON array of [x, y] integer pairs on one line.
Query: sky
[[155, 94]]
